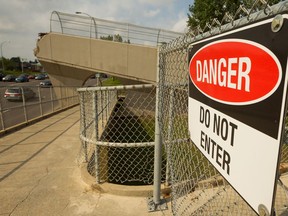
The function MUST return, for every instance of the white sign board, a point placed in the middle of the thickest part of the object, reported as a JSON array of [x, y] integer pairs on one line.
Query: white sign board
[[237, 96]]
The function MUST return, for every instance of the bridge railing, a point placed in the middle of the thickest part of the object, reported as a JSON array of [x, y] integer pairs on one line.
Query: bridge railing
[[85, 25], [21, 110]]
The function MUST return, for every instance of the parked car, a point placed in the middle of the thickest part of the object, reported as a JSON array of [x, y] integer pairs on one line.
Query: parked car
[[45, 83], [40, 77], [9, 78], [1, 76], [15, 93], [22, 78], [31, 76]]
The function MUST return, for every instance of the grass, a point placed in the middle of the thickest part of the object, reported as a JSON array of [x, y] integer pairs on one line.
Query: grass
[[111, 81], [149, 126], [17, 73], [188, 161]]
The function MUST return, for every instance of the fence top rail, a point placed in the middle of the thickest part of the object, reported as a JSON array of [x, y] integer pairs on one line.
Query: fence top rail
[[109, 88], [82, 24], [117, 144], [228, 23]]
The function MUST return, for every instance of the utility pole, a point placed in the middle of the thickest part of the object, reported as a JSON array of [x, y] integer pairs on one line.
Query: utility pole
[[1, 49]]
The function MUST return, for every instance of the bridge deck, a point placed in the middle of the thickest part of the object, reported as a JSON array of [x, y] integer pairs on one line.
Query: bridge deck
[[76, 58]]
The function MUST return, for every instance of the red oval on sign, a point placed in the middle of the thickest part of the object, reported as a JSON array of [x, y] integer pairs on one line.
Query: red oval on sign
[[235, 71]]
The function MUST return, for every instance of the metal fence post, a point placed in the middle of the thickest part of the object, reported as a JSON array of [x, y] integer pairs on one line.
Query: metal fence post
[[40, 101], [83, 128], [108, 104], [157, 154], [170, 129], [102, 109], [95, 117], [1, 116], [24, 105], [156, 203]]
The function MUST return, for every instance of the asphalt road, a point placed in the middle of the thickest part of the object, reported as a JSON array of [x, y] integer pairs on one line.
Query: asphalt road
[[13, 112]]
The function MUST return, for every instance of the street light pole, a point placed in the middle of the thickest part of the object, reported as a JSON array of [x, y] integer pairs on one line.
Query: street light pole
[[92, 18], [1, 49]]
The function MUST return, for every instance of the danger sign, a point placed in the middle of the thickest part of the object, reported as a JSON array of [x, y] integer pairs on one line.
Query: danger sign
[[237, 97], [217, 66]]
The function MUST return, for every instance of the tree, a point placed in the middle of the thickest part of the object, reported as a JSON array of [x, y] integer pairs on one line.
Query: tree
[[15, 63], [109, 37], [204, 11], [116, 37]]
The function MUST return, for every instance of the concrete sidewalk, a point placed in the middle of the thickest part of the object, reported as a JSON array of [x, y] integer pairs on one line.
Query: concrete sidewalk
[[39, 174]]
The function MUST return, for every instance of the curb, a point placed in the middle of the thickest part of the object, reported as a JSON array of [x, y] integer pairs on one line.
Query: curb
[[120, 190]]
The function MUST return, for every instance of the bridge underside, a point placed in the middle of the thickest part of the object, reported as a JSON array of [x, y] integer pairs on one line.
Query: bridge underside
[[71, 60]]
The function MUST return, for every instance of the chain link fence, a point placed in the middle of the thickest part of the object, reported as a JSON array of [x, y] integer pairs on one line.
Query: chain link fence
[[117, 133], [20, 105], [118, 130], [197, 187]]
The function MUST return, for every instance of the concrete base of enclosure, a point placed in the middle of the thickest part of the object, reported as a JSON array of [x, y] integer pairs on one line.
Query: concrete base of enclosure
[[121, 190]]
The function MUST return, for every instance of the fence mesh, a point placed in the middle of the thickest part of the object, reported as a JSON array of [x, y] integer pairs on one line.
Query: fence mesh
[[118, 123], [197, 188], [117, 130]]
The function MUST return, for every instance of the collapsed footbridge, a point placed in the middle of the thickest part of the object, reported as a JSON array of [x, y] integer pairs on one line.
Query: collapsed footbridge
[[118, 125]]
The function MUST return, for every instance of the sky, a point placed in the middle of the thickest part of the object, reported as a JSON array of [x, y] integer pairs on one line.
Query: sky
[[22, 20]]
